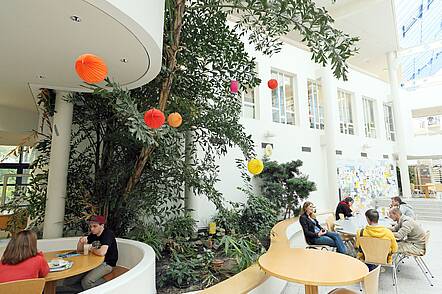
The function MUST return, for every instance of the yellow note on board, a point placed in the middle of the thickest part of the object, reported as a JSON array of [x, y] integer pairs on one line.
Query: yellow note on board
[[357, 185]]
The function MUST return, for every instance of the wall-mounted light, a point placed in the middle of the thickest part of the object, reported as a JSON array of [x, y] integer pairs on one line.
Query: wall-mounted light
[[124, 60]]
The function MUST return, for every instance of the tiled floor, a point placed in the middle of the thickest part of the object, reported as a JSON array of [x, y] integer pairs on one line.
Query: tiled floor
[[411, 279]]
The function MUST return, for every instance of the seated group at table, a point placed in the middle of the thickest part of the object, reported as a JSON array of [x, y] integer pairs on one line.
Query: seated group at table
[[406, 236], [21, 259]]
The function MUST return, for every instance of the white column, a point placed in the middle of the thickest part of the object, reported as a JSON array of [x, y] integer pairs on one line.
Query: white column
[[400, 138], [190, 200], [329, 90], [58, 167]]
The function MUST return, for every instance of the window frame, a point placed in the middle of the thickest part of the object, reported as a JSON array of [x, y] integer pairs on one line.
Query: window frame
[[390, 127], [317, 117], [346, 116], [369, 113], [280, 76]]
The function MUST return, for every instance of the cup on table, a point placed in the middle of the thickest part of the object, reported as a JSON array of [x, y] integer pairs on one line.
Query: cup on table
[[86, 248]]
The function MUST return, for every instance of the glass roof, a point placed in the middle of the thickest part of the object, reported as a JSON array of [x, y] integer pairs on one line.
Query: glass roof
[[419, 23]]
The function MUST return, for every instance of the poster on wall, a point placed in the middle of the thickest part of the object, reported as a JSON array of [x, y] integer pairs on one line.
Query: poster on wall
[[366, 179]]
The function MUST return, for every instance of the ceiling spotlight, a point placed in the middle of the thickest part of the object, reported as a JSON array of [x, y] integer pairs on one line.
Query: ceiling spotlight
[[124, 60], [75, 18]]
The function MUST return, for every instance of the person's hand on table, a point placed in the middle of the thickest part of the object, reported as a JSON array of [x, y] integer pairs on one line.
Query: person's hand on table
[[83, 240]]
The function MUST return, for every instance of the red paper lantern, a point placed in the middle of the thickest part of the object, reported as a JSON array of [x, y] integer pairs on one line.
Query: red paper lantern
[[174, 120], [273, 84], [154, 118], [91, 68], [234, 86]]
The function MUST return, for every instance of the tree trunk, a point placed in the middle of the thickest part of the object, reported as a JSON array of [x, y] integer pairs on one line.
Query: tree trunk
[[170, 53]]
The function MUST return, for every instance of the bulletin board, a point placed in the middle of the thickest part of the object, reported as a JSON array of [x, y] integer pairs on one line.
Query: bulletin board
[[367, 179]]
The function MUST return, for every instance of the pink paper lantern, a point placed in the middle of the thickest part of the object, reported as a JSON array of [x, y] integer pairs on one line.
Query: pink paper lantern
[[234, 86]]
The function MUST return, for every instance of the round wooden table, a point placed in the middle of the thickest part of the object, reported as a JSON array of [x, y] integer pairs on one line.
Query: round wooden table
[[82, 264], [313, 268]]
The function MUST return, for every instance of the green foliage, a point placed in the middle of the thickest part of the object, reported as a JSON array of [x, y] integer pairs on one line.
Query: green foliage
[[149, 235], [245, 249], [180, 227], [181, 272], [284, 185], [229, 218], [265, 22], [258, 217]]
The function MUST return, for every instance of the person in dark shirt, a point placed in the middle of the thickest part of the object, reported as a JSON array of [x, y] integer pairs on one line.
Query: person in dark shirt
[[315, 234], [103, 244], [344, 207]]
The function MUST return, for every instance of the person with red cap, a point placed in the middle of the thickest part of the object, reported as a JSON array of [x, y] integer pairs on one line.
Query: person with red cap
[[103, 243]]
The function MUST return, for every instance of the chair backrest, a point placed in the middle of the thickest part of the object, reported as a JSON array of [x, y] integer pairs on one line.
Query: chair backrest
[[341, 216], [375, 250], [31, 286], [371, 281], [4, 219], [330, 223]]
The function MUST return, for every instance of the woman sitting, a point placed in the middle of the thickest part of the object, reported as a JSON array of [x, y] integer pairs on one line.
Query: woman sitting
[[344, 207], [21, 261], [315, 234]]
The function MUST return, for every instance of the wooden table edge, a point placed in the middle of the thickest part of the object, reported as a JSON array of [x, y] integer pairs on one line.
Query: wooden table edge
[[312, 283]]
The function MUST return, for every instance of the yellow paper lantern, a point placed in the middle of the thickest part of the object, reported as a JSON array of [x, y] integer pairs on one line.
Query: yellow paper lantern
[[255, 166]]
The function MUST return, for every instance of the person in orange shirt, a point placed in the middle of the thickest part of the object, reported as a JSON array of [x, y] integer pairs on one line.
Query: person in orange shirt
[[21, 260]]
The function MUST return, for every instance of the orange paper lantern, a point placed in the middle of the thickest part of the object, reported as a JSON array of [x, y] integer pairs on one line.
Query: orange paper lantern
[[273, 84], [154, 118], [174, 120], [91, 68]]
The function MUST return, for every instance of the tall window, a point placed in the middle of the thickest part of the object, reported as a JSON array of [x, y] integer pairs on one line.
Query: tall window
[[346, 123], [283, 99], [315, 105], [369, 118], [13, 161], [389, 122], [248, 101]]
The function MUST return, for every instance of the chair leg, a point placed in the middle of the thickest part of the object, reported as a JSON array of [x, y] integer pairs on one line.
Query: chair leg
[[426, 266], [423, 270], [395, 279]]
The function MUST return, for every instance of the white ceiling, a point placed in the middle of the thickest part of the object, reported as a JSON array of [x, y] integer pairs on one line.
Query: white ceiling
[[374, 23], [39, 44]]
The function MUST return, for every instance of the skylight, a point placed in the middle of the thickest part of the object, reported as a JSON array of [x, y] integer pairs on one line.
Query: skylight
[[419, 24]]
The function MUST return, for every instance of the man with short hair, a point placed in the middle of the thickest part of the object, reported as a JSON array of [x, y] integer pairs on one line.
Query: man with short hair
[[375, 231], [409, 234], [405, 208], [103, 244]]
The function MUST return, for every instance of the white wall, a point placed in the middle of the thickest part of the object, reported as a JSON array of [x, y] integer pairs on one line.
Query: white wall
[[422, 98], [288, 140]]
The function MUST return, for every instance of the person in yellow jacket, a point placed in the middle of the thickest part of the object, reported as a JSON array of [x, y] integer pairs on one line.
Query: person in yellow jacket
[[375, 231]]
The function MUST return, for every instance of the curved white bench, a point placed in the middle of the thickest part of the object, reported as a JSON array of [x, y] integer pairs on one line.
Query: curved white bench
[[137, 256]]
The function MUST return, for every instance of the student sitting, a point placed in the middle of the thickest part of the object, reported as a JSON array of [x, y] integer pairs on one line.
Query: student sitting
[[409, 234], [373, 230], [344, 207], [317, 235], [405, 208], [21, 261]]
